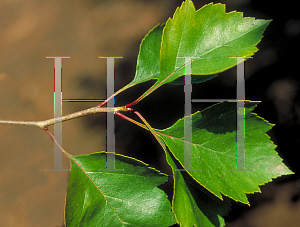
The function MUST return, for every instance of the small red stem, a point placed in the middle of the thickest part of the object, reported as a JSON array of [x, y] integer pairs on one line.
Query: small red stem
[[112, 96], [122, 116], [151, 130], [131, 120], [150, 90], [140, 124], [132, 104], [55, 141]]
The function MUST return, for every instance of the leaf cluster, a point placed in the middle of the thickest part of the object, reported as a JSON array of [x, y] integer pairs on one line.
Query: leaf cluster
[[210, 41], [204, 160]]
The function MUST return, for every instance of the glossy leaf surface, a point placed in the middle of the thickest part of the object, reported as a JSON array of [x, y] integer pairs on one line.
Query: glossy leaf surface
[[115, 198], [148, 63], [192, 204], [196, 79], [213, 151], [210, 39]]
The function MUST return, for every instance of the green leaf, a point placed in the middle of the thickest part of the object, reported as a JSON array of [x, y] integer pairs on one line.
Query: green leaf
[[208, 37], [148, 63], [115, 198], [192, 204], [214, 151], [196, 79]]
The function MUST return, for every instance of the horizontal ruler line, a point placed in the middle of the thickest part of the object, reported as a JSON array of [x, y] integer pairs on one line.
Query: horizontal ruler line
[[216, 100], [83, 100]]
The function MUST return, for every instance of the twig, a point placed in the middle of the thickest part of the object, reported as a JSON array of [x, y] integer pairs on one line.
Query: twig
[[93, 110]]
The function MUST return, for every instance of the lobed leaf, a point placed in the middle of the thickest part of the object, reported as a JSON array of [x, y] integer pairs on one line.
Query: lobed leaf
[[209, 37], [115, 198], [214, 151]]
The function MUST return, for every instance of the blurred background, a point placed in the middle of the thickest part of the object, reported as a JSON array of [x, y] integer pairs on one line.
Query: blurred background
[[84, 30]]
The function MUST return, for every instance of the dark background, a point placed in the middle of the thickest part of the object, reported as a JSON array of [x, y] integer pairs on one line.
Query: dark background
[[272, 77], [84, 30]]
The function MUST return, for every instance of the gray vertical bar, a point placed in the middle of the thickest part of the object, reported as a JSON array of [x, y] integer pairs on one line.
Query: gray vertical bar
[[240, 95], [188, 135], [187, 115], [58, 113], [110, 123], [240, 118], [110, 129]]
